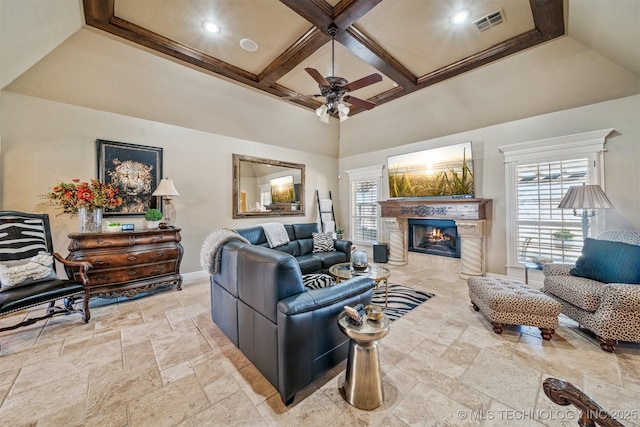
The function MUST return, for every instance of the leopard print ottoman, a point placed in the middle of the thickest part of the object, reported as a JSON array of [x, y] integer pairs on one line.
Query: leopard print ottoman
[[508, 301]]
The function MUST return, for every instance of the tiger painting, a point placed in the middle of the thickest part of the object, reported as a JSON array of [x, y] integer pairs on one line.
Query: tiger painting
[[133, 179]]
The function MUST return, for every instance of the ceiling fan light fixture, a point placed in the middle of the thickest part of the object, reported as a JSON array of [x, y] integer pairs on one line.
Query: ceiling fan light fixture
[[343, 112], [323, 113], [211, 27]]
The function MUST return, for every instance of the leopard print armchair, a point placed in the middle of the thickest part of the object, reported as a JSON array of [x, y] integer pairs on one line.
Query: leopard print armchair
[[609, 310]]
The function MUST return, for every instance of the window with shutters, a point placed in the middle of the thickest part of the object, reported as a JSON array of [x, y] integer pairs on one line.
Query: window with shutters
[[543, 230], [364, 211], [537, 176]]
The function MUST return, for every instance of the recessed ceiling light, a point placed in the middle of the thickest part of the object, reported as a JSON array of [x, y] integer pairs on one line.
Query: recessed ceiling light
[[249, 45], [211, 26], [460, 16]]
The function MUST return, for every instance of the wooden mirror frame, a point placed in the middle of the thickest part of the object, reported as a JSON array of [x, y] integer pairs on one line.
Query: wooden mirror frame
[[299, 204]]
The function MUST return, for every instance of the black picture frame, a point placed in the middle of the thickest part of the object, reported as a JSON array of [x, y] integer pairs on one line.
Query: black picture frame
[[136, 170]]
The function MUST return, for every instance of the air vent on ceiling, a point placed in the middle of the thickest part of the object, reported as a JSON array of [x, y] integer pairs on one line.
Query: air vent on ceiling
[[490, 20]]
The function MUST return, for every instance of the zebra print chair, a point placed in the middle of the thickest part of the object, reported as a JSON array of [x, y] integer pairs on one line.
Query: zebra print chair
[[26, 251]]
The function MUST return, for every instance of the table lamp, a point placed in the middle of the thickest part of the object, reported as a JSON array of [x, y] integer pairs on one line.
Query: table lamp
[[588, 198], [166, 189]]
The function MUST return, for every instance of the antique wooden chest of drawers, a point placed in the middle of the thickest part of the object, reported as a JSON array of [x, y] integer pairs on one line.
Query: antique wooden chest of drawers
[[127, 263]]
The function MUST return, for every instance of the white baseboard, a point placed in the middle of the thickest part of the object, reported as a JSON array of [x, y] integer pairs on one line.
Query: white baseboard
[[195, 276]]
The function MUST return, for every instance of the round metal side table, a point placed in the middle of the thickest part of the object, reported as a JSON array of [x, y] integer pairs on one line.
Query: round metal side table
[[363, 380]]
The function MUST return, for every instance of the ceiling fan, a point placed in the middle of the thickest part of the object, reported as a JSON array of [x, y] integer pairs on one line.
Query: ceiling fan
[[334, 89]]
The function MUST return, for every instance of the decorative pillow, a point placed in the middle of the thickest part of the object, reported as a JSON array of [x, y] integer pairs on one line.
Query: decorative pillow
[[323, 242], [37, 269], [608, 262], [317, 281]]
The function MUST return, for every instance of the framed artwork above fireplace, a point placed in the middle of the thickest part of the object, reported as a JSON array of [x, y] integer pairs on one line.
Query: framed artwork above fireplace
[[438, 172]]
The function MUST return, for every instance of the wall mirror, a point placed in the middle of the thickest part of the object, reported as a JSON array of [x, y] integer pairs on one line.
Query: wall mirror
[[265, 187]]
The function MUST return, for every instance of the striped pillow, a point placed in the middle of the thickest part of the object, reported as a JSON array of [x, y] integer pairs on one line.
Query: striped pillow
[[317, 281], [323, 242]]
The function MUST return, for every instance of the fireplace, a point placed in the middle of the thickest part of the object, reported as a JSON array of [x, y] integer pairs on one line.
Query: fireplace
[[434, 237], [469, 217]]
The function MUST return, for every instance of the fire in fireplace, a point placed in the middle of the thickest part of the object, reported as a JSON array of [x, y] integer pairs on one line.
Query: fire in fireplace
[[434, 236]]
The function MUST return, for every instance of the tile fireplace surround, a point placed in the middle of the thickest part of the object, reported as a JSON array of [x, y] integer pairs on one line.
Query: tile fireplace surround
[[470, 218]]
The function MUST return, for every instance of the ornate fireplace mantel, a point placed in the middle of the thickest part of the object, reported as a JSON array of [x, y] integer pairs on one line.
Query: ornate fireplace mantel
[[435, 208], [469, 215]]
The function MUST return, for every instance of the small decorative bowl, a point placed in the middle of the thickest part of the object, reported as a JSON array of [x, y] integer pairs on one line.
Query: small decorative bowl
[[360, 267], [374, 312]]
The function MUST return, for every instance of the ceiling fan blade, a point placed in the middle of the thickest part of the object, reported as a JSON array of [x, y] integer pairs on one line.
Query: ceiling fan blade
[[317, 77], [365, 81], [365, 105]]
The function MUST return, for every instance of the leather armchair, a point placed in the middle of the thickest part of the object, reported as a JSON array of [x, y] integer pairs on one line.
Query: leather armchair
[[289, 333]]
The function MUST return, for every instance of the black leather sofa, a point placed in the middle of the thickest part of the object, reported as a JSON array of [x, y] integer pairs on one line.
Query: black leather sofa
[[301, 247], [288, 332]]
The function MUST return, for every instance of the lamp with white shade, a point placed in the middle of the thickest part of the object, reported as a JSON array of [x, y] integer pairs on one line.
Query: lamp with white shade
[[588, 198], [166, 189]]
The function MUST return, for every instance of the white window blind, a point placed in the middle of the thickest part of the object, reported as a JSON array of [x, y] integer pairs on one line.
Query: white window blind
[[539, 189], [365, 185], [364, 211], [265, 194]]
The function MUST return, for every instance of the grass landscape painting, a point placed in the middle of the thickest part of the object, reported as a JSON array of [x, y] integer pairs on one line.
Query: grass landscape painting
[[283, 190], [439, 172]]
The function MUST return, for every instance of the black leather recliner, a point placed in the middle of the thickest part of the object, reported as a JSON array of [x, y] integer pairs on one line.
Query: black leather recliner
[[289, 333]]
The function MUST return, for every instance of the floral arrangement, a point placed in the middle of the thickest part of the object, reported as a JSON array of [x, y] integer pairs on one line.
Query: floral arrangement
[[70, 197]]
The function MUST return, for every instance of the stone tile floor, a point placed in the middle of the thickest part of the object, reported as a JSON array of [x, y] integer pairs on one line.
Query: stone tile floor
[[160, 361]]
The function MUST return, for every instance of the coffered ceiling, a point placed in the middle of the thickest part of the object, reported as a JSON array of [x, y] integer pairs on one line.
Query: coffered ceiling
[[411, 43]]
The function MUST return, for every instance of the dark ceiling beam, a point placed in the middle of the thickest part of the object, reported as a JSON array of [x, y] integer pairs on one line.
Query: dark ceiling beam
[[548, 17], [304, 47], [318, 12], [365, 48], [348, 12]]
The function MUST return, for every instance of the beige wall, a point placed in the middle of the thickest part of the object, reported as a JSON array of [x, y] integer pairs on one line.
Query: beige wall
[[622, 175], [45, 141]]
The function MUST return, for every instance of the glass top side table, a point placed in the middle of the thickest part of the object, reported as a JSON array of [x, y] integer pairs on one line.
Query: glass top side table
[[344, 271]]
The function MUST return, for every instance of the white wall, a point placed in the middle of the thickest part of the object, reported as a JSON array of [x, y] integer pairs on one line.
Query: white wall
[[622, 174], [44, 142]]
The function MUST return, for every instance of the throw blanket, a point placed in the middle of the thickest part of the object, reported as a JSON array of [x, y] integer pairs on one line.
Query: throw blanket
[[37, 268], [329, 227], [275, 233], [211, 251]]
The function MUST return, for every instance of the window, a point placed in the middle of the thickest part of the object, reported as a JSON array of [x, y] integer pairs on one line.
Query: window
[[543, 229], [364, 186], [265, 194], [538, 174]]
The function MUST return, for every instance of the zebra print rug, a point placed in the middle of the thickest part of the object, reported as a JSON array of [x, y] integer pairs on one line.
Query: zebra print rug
[[402, 299]]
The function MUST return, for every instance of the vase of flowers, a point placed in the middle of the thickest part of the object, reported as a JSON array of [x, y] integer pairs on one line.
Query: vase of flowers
[[87, 199], [89, 220]]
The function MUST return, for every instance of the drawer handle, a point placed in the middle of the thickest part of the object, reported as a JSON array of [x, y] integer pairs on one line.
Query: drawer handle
[[158, 269], [159, 254], [133, 272], [101, 262], [132, 258], [102, 277]]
